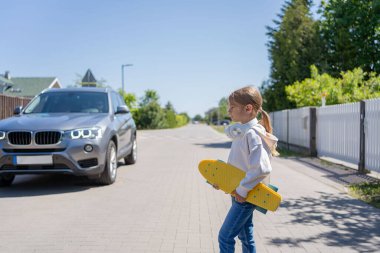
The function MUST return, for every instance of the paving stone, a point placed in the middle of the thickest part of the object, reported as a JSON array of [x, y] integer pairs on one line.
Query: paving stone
[[162, 204]]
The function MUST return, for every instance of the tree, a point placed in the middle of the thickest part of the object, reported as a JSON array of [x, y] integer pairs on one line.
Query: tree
[[212, 115], [129, 98], [169, 106], [268, 94], [170, 116], [198, 118], [151, 116], [351, 86], [350, 30], [294, 45], [149, 97], [182, 119], [223, 109], [309, 91]]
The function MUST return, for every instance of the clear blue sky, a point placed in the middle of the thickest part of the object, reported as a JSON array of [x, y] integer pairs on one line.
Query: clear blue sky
[[192, 52]]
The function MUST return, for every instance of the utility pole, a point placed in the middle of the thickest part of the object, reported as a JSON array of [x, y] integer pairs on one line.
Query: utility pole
[[122, 74]]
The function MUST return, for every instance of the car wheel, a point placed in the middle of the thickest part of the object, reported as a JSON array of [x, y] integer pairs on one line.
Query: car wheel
[[108, 176], [132, 157], [6, 179]]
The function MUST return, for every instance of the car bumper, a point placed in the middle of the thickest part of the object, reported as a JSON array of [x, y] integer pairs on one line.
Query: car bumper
[[72, 159]]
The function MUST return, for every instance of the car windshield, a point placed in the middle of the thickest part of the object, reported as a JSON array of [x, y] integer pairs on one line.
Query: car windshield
[[69, 102]]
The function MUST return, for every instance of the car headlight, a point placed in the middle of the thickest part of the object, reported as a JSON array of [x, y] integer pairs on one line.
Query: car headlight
[[2, 135], [86, 133]]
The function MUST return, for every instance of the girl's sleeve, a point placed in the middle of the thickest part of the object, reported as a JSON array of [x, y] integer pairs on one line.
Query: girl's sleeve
[[258, 164]]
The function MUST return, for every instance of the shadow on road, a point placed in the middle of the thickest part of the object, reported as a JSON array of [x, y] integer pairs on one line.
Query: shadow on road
[[348, 222], [226, 144], [37, 185]]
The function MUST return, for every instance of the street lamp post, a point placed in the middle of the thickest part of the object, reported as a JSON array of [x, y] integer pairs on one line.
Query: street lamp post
[[122, 74]]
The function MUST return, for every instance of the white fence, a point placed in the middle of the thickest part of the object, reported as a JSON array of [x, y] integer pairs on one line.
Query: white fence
[[280, 125], [292, 126], [336, 130], [372, 134], [299, 127]]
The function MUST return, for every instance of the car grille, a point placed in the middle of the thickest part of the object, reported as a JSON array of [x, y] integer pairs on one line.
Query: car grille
[[47, 137], [20, 138], [40, 138]]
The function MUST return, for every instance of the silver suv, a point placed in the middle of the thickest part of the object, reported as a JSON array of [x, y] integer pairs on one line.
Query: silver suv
[[79, 131]]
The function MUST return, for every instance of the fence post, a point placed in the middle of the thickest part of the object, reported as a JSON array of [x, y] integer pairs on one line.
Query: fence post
[[287, 129], [362, 139], [313, 132]]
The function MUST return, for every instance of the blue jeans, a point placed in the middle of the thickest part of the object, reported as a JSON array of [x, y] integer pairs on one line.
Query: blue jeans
[[238, 222]]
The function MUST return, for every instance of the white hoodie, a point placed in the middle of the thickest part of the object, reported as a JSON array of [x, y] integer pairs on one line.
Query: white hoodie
[[250, 152]]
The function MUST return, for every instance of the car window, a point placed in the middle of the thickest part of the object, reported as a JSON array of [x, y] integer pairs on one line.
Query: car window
[[122, 102], [69, 102], [120, 99], [35, 104], [115, 101]]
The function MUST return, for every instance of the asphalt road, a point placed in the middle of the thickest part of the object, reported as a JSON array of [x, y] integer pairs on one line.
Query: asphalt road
[[162, 204]]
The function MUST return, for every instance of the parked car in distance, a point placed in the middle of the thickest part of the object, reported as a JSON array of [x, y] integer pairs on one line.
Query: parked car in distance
[[78, 131], [224, 122]]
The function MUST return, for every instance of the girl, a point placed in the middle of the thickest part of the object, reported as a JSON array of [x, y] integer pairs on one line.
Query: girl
[[252, 146]]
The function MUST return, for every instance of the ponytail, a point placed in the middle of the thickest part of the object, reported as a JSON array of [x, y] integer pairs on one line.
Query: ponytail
[[265, 121]]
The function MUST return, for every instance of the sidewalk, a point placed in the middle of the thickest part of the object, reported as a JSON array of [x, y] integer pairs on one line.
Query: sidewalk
[[316, 214], [340, 173]]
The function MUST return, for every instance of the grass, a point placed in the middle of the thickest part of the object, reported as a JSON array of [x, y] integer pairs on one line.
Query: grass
[[220, 129], [287, 153], [284, 152], [367, 192]]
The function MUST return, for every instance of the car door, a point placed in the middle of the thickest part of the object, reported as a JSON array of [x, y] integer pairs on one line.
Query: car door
[[124, 126]]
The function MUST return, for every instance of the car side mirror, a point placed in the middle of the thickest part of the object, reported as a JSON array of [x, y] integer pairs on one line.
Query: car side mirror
[[122, 109], [17, 110]]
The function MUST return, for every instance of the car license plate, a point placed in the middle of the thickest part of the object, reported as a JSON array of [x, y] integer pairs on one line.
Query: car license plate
[[38, 159]]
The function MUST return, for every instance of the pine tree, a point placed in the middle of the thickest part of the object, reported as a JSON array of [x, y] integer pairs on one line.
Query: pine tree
[[294, 45], [351, 33]]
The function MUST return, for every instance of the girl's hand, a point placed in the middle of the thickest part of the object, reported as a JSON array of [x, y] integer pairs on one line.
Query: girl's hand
[[238, 198]]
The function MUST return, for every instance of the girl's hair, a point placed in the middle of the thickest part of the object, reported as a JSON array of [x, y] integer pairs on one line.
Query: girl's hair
[[251, 96]]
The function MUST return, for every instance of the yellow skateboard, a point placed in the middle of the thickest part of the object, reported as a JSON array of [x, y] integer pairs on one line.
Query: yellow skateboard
[[228, 178]]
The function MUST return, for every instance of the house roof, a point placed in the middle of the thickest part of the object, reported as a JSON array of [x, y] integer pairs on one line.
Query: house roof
[[30, 86], [3, 80]]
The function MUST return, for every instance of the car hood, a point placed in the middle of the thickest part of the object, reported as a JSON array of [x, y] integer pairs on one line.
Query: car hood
[[56, 121]]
